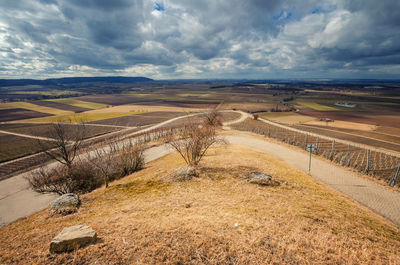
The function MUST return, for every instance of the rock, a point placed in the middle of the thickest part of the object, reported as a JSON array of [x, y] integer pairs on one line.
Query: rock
[[261, 179], [72, 238], [65, 204], [183, 174]]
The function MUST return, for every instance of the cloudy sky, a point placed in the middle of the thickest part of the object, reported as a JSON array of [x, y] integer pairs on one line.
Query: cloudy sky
[[168, 39]]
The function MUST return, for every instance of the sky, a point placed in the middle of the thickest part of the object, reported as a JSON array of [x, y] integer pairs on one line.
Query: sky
[[210, 39]]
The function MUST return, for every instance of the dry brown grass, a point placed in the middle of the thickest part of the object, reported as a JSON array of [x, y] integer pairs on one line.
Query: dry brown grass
[[215, 219], [345, 125]]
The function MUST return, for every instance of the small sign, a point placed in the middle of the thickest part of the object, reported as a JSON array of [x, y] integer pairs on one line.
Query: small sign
[[310, 147]]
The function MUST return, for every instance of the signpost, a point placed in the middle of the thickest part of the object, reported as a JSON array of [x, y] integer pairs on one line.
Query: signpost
[[310, 147]]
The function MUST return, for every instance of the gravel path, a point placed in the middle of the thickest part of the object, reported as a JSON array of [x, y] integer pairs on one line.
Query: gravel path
[[378, 198]]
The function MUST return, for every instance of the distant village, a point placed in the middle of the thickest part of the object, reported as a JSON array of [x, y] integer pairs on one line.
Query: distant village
[[345, 104]]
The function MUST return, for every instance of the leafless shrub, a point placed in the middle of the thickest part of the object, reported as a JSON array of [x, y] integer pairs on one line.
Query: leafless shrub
[[67, 141], [193, 142], [81, 177], [213, 117], [130, 158], [103, 159]]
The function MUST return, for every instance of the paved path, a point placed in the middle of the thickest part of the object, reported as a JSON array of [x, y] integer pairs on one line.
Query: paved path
[[378, 198], [17, 200]]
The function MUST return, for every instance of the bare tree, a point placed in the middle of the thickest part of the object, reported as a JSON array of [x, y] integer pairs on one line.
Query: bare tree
[[194, 141], [104, 159], [67, 142], [213, 117]]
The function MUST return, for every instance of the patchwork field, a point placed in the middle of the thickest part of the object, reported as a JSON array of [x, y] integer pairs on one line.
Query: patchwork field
[[357, 136], [147, 218], [286, 117], [34, 107], [43, 129], [19, 114], [390, 119], [79, 103], [79, 117], [61, 106], [140, 119], [12, 147], [318, 106], [113, 100]]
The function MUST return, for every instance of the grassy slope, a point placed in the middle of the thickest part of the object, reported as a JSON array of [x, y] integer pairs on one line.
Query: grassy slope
[[146, 218]]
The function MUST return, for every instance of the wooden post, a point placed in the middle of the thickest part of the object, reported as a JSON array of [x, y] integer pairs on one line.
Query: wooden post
[[332, 150], [306, 141], [394, 179], [348, 155], [368, 161]]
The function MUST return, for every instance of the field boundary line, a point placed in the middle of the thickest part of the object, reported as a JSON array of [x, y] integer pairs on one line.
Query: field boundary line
[[28, 136]]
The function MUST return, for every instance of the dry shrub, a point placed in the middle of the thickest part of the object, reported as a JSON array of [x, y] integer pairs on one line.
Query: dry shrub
[[193, 142], [85, 175], [130, 159], [213, 117], [81, 177]]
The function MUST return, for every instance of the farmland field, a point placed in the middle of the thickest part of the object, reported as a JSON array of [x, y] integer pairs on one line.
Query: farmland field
[[286, 117], [19, 114], [362, 137], [12, 147], [61, 106], [140, 119], [34, 107], [389, 119], [79, 103], [43, 129], [79, 117]]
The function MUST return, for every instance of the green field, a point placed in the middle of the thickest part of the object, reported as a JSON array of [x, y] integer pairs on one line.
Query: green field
[[79, 103], [319, 106]]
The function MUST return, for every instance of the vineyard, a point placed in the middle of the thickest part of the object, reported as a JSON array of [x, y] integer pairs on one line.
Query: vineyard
[[14, 167], [379, 164]]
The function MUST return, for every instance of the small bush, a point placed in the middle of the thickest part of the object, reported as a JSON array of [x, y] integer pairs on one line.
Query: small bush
[[130, 159], [79, 178], [84, 176]]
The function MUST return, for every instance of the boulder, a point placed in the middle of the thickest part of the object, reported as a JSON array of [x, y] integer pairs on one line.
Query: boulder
[[65, 204], [261, 179], [73, 237], [183, 174]]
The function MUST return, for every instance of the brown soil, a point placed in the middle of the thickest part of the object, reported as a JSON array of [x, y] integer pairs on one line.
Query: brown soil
[[20, 114], [140, 119], [57, 105], [389, 119]]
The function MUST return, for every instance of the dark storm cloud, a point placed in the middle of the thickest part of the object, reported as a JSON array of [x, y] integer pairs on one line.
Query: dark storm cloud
[[180, 38]]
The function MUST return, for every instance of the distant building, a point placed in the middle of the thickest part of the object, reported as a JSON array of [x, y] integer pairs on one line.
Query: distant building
[[345, 104]]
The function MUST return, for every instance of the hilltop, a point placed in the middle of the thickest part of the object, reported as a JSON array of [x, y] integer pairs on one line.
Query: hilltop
[[216, 218]]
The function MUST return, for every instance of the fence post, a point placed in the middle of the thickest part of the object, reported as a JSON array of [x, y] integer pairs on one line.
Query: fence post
[[394, 179], [306, 141], [368, 161], [332, 150]]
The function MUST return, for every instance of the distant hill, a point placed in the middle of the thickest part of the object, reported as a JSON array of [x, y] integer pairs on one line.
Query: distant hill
[[73, 80]]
